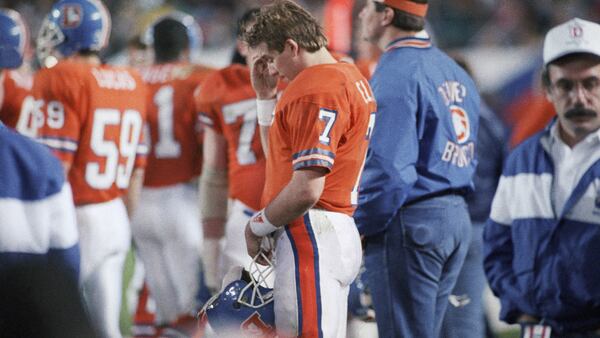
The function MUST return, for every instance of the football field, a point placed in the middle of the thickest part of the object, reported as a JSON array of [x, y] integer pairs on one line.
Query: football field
[[125, 320]]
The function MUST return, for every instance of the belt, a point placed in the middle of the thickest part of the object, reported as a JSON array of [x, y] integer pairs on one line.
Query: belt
[[460, 192]]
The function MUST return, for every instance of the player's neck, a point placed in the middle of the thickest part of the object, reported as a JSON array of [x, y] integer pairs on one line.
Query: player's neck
[[93, 60], [320, 57]]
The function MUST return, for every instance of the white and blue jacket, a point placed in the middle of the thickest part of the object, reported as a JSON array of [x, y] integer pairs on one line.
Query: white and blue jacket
[[537, 262], [37, 216], [423, 142]]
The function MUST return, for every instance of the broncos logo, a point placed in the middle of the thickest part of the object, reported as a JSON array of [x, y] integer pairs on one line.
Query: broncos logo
[[460, 122]]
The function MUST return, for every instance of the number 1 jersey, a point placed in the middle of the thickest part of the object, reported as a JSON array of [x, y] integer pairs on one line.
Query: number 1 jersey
[[93, 121], [175, 133]]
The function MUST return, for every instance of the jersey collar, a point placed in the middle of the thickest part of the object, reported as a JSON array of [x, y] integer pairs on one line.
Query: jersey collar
[[420, 40]]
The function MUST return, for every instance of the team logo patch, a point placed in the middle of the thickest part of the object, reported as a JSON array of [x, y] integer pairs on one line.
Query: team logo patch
[[460, 122], [72, 15], [254, 326], [576, 31]]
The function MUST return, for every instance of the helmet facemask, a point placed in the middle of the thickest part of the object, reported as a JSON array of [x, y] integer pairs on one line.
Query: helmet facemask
[[259, 291], [49, 37]]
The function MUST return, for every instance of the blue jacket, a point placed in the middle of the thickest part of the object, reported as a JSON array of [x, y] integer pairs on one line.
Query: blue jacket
[[37, 216], [537, 262], [423, 141]]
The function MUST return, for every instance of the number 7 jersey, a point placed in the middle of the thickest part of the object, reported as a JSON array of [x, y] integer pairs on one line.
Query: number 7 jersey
[[323, 119], [93, 121], [227, 105]]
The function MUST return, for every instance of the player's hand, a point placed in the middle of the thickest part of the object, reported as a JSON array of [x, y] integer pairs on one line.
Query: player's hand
[[264, 81], [252, 241], [527, 319]]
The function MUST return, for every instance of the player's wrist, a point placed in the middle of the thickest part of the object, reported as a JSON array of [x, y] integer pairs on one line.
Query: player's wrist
[[211, 251], [265, 110], [260, 224]]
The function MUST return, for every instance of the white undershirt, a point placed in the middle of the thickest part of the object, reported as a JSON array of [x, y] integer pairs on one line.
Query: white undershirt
[[570, 164]]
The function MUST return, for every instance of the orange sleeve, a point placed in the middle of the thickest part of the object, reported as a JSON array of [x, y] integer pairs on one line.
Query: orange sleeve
[[315, 130], [206, 97]]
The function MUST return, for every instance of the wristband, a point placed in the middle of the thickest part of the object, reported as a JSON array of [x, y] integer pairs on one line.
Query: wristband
[[265, 111], [260, 225]]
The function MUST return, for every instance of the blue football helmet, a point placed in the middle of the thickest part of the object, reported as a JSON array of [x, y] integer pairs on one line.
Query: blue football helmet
[[72, 26], [14, 38], [194, 31], [244, 307]]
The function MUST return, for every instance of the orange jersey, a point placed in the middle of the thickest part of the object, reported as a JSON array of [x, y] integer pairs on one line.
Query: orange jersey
[[367, 67], [322, 120], [17, 87], [93, 121], [227, 104], [176, 148]]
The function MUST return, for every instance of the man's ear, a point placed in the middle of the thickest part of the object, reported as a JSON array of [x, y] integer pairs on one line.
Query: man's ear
[[388, 16], [292, 46]]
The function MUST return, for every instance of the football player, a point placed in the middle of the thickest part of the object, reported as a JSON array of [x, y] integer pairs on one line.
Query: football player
[[234, 162], [93, 121], [318, 136], [16, 81], [166, 226]]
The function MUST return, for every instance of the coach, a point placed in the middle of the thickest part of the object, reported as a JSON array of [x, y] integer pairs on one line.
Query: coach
[[412, 212], [542, 242]]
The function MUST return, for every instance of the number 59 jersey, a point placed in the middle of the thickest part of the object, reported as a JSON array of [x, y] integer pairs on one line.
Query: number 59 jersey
[[93, 121]]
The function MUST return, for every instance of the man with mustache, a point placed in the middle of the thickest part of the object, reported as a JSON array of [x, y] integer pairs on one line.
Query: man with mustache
[[542, 241]]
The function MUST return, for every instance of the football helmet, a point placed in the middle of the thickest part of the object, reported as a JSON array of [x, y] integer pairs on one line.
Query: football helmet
[[14, 38], [72, 26], [244, 307]]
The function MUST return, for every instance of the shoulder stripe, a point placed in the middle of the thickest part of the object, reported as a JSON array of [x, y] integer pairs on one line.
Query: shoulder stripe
[[522, 196], [313, 151], [313, 163], [60, 144], [37, 226]]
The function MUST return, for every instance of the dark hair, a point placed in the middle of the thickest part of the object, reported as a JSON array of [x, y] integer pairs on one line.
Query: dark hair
[[170, 40], [283, 20], [248, 17], [404, 20]]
